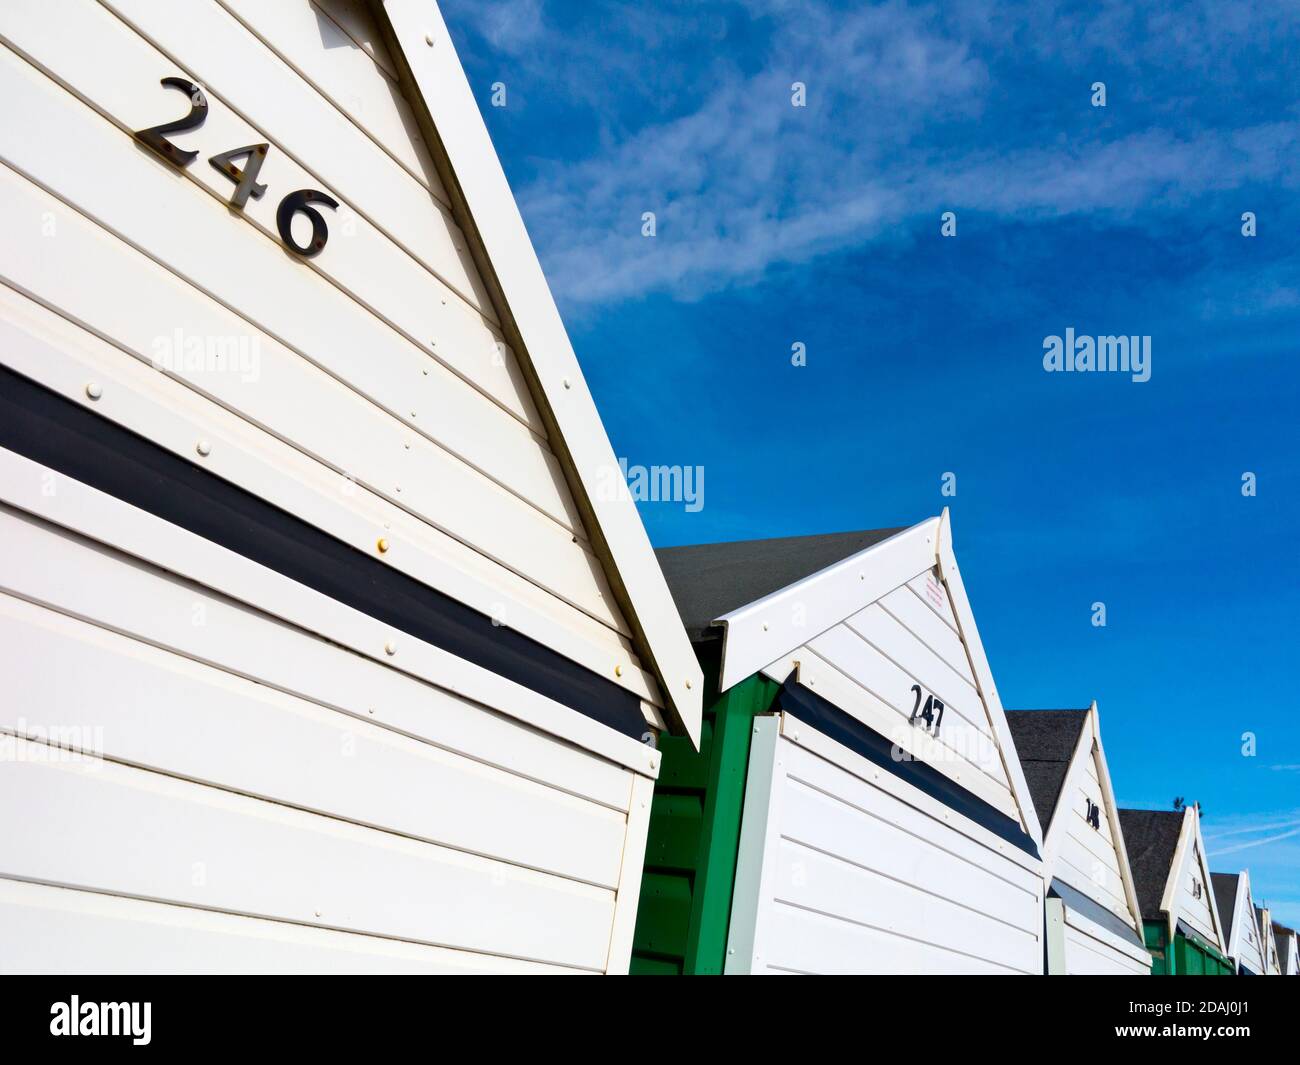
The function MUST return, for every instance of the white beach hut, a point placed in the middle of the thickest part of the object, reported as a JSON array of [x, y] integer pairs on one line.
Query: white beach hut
[[1093, 920], [886, 826], [325, 646], [1245, 939]]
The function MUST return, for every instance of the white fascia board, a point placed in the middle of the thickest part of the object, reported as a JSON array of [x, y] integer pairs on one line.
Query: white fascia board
[[1190, 843], [765, 630], [486, 210], [1243, 911], [979, 664], [1112, 816]]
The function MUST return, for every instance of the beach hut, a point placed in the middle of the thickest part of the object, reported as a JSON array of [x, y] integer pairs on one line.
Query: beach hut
[[1242, 933], [856, 805], [1182, 925], [326, 643], [1093, 921], [1272, 959], [1287, 959]]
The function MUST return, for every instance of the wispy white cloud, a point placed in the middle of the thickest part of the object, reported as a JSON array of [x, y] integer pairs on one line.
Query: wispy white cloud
[[898, 96]]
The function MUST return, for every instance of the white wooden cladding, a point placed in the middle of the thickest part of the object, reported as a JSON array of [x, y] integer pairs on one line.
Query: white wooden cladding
[[1247, 943], [149, 835], [311, 39], [867, 665], [1090, 952], [1085, 857], [48, 137], [197, 722], [64, 357], [62, 931], [389, 815], [858, 872], [1191, 908], [417, 30], [339, 375], [254, 589]]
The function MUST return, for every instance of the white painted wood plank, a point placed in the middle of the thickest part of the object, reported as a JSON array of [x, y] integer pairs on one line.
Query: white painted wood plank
[[287, 396], [959, 601], [232, 63], [905, 606], [1088, 956], [929, 589], [1104, 940], [915, 804], [77, 581], [311, 42], [848, 652], [61, 931], [828, 811], [486, 205], [353, 19], [139, 704], [64, 357], [894, 641], [755, 857], [46, 135], [811, 943], [87, 53], [629, 878], [843, 892], [843, 691], [151, 836]]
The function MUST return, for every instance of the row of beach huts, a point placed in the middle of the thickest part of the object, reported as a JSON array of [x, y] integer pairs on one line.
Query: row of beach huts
[[327, 649]]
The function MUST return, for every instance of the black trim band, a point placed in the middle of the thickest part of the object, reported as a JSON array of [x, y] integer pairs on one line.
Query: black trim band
[[826, 717], [82, 445]]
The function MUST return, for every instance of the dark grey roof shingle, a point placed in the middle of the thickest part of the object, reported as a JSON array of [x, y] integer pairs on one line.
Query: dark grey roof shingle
[[709, 580], [1045, 741], [1226, 886], [1150, 837]]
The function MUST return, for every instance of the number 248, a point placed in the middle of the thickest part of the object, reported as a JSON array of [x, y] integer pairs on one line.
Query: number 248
[[245, 178]]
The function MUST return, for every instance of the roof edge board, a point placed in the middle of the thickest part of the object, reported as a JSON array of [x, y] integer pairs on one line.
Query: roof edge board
[[951, 576], [1112, 815], [435, 84], [1188, 835], [761, 632]]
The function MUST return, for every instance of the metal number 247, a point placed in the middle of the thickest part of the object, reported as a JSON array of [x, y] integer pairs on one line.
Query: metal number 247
[[245, 177], [931, 713]]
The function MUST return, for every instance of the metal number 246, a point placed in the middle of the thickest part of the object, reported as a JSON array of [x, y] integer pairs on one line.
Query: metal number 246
[[245, 177], [931, 713]]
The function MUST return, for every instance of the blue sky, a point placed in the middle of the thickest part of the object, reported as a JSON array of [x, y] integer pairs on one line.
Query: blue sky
[[820, 225]]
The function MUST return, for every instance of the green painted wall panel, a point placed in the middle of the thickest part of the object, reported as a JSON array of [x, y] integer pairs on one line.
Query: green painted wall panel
[[686, 889]]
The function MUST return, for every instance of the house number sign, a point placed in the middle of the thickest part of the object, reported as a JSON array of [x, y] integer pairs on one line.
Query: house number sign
[[926, 709], [243, 177]]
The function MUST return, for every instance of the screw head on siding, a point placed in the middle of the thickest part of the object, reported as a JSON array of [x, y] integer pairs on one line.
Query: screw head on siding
[[382, 545], [568, 383], [93, 390], [618, 671], [390, 648], [428, 39], [203, 448], [688, 682]]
